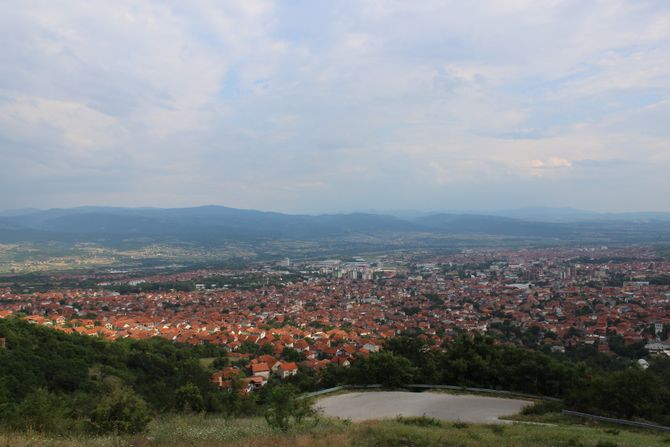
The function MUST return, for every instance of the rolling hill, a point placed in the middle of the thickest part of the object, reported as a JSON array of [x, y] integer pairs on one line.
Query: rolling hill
[[213, 224]]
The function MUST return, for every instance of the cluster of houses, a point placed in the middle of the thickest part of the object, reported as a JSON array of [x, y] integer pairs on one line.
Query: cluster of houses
[[570, 296], [256, 375]]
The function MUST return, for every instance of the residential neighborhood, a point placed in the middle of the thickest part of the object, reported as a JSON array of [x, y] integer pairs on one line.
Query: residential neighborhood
[[337, 311]]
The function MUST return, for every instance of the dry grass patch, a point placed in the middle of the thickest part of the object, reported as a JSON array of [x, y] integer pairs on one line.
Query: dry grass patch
[[199, 431]]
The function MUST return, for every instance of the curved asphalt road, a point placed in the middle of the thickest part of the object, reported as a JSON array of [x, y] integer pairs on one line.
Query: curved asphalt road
[[390, 404]]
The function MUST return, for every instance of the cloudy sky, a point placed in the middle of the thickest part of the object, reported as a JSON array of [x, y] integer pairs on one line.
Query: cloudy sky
[[313, 106]]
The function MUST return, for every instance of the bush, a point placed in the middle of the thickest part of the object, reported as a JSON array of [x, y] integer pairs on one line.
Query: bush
[[419, 421], [220, 363], [121, 412], [284, 409], [542, 407], [41, 411], [189, 399], [498, 429]]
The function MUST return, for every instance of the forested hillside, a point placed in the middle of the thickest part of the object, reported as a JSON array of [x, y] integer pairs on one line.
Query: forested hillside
[[54, 381], [59, 382]]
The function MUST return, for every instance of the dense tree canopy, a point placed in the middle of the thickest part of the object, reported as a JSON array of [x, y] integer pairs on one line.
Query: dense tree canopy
[[67, 374]]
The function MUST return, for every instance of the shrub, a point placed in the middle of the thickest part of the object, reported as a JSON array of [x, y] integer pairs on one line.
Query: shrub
[[189, 399], [542, 407], [41, 411], [497, 429], [121, 412], [419, 421], [284, 409]]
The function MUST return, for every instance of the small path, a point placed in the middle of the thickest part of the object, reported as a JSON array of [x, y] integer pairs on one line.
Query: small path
[[448, 407]]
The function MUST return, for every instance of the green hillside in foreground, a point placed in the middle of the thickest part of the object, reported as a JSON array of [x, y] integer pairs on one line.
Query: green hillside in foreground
[[200, 431]]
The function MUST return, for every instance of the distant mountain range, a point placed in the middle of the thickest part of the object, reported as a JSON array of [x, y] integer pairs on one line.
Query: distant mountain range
[[539, 214], [213, 224], [546, 214]]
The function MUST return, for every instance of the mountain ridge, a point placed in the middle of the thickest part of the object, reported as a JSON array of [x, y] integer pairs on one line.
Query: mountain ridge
[[212, 222]]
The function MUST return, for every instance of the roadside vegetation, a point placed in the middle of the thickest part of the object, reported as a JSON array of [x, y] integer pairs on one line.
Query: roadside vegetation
[[216, 431]]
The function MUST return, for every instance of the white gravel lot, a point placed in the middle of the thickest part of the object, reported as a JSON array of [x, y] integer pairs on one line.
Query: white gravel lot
[[390, 404]]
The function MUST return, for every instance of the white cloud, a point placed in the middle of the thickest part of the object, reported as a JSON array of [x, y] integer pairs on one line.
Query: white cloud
[[379, 101]]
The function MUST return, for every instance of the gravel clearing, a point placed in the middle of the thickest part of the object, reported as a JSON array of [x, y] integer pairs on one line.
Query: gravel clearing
[[390, 404]]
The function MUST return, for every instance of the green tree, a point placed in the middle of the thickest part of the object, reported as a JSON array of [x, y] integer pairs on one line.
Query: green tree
[[121, 411], [220, 363], [41, 411], [189, 399], [383, 368], [284, 409], [292, 355], [632, 392]]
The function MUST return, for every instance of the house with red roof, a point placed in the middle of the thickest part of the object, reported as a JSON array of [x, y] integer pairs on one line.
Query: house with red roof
[[260, 369], [285, 369]]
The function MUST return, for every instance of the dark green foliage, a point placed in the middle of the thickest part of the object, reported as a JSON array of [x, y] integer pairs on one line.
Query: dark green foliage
[[306, 380], [632, 351], [121, 412], [189, 399], [409, 311], [634, 392], [543, 407], [54, 381], [604, 387], [249, 347], [433, 298], [477, 361], [497, 429], [41, 411], [332, 376], [412, 348], [589, 355], [284, 409], [419, 421], [220, 363], [179, 286], [629, 393], [383, 368], [660, 367], [292, 355]]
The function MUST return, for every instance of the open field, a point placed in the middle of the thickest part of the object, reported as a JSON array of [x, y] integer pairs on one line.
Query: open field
[[390, 404], [198, 431]]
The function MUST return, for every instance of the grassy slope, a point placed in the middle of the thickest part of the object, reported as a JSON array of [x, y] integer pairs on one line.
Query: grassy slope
[[210, 432]]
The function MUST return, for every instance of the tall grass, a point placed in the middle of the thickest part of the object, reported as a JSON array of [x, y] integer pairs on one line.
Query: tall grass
[[200, 431]]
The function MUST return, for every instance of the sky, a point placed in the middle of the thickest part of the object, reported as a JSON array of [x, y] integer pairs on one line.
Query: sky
[[328, 106]]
